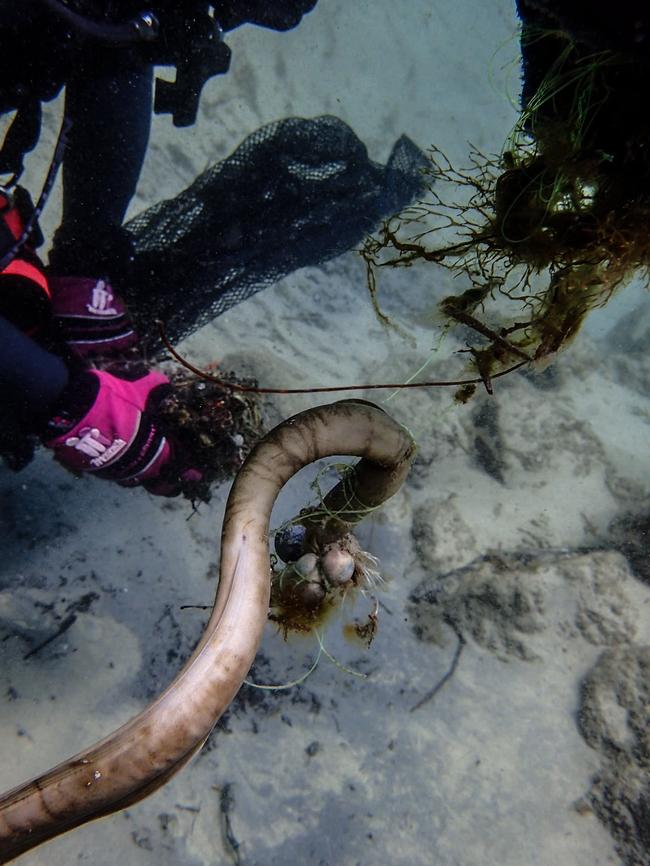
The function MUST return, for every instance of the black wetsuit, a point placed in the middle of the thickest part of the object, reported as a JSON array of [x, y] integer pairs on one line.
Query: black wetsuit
[[108, 99]]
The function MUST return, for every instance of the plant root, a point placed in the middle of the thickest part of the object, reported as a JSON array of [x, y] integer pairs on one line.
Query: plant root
[[546, 232]]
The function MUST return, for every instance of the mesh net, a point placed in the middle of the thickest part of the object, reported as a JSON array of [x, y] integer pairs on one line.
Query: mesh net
[[296, 192]]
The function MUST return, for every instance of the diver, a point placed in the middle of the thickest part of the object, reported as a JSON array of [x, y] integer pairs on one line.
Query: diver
[[56, 318]]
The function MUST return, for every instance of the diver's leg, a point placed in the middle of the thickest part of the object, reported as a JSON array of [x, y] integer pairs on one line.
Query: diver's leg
[[110, 111]]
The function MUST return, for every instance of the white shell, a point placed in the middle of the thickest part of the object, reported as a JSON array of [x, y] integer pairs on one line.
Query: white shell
[[337, 565], [307, 563]]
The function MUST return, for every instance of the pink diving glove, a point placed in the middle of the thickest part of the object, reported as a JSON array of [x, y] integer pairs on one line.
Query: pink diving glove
[[116, 436], [90, 317]]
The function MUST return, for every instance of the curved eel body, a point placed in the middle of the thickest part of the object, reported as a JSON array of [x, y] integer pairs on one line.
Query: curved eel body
[[144, 753]]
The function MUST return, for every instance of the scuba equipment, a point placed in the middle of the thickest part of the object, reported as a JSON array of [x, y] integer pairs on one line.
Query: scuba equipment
[[24, 290], [184, 35], [142, 27], [193, 43], [187, 35]]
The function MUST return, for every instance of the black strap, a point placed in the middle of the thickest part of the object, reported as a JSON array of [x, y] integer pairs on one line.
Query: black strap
[[142, 28], [32, 222]]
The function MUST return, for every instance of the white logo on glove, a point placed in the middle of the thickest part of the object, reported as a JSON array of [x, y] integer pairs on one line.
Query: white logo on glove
[[95, 445], [101, 299]]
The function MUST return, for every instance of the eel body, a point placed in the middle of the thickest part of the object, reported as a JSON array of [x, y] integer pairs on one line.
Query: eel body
[[148, 750]]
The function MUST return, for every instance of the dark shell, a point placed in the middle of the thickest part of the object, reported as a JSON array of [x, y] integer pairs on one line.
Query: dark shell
[[289, 542]]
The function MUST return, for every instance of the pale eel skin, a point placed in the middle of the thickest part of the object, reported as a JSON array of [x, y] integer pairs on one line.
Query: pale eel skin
[[144, 753]]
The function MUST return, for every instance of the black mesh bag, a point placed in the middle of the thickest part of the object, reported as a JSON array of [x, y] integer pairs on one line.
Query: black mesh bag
[[295, 193]]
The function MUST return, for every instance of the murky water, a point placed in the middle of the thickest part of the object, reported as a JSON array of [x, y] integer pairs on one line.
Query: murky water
[[504, 562]]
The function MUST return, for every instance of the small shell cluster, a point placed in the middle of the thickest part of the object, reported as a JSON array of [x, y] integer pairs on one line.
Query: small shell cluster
[[307, 585], [310, 579], [313, 576]]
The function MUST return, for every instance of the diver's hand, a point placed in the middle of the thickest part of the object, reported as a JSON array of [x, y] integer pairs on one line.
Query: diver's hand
[[90, 317], [106, 424]]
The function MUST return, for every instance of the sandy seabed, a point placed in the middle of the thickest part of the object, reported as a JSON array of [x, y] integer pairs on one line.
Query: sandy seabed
[[522, 529]]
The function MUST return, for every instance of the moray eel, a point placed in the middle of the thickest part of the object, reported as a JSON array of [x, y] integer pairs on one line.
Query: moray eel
[[148, 750]]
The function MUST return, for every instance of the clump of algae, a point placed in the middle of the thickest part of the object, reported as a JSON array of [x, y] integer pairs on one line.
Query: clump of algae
[[550, 229]]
